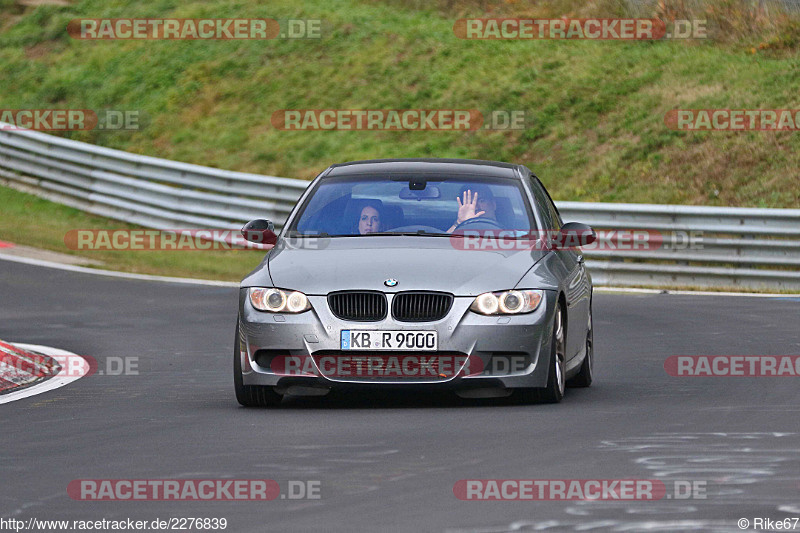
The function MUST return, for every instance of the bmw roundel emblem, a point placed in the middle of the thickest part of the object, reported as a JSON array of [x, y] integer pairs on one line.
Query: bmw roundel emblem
[[390, 282]]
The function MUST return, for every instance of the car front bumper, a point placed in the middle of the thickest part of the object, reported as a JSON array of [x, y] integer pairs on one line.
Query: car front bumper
[[504, 351]]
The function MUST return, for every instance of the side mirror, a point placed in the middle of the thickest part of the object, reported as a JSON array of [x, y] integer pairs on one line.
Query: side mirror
[[574, 234], [260, 231]]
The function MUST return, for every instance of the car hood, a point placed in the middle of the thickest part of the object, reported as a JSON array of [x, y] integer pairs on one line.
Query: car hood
[[417, 263]]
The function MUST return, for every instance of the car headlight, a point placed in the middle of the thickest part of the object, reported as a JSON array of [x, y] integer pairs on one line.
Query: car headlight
[[278, 301], [507, 302]]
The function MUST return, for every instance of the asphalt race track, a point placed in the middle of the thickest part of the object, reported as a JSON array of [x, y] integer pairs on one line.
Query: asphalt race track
[[391, 461]]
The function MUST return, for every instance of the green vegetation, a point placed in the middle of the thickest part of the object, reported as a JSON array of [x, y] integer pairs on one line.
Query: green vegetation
[[597, 131], [596, 108], [36, 222]]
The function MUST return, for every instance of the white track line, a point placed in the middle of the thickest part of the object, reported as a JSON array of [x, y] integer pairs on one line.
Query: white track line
[[115, 274], [59, 380]]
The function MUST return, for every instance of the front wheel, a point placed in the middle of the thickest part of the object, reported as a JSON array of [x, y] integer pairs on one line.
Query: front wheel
[[250, 395], [586, 374], [556, 377]]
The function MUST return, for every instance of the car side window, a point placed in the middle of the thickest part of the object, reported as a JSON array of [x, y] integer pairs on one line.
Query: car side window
[[548, 204], [557, 222], [541, 204]]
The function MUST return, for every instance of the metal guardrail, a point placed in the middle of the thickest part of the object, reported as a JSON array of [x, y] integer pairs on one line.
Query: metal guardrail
[[152, 192], [733, 247], [743, 248]]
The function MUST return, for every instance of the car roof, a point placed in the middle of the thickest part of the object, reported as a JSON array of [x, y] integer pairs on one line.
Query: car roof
[[426, 166]]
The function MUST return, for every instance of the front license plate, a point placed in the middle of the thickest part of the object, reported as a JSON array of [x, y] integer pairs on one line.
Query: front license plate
[[359, 339]]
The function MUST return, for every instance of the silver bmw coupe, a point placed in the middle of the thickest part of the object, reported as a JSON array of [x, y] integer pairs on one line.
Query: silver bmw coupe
[[417, 273]]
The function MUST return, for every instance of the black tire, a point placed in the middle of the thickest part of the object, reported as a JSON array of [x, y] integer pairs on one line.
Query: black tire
[[585, 376], [250, 395], [554, 391], [556, 379]]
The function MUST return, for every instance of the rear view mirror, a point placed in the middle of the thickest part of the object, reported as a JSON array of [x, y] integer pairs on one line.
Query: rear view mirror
[[260, 231], [431, 192]]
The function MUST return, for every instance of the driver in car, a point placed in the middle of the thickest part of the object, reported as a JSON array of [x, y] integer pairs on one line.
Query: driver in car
[[475, 201]]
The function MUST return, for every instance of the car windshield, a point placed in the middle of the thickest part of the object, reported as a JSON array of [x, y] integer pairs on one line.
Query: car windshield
[[362, 206]]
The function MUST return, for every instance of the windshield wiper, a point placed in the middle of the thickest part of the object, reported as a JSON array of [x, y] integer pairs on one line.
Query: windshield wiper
[[321, 235], [490, 234], [418, 233]]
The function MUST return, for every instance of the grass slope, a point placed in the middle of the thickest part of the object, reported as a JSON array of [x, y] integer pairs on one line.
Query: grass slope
[[597, 132], [32, 221]]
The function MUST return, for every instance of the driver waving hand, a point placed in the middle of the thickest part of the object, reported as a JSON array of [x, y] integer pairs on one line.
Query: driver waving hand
[[474, 202]]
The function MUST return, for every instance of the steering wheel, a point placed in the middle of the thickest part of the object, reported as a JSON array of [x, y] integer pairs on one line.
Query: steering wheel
[[479, 223], [416, 227]]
